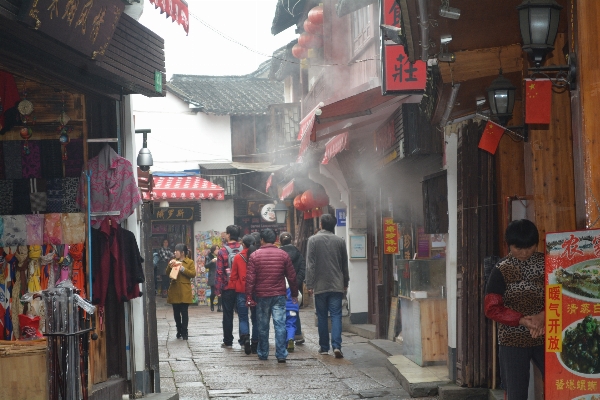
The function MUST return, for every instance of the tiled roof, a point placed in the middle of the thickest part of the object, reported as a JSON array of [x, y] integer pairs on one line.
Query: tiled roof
[[229, 95]]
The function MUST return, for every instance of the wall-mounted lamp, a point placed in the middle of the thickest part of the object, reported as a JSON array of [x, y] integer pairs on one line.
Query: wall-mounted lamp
[[444, 55], [449, 12], [538, 20], [501, 96], [281, 211], [144, 158], [164, 204]]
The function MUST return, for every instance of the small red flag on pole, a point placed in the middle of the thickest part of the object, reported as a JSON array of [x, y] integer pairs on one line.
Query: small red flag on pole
[[538, 101], [491, 137]]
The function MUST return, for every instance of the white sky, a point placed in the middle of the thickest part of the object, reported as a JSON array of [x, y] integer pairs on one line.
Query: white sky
[[205, 52]]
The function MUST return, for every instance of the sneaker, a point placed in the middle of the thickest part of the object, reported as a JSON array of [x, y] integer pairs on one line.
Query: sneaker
[[178, 336], [247, 346], [290, 346], [226, 346], [338, 353], [281, 360], [300, 341], [323, 352]]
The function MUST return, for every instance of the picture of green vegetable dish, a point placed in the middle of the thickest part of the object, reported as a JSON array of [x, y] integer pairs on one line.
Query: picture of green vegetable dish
[[580, 347]]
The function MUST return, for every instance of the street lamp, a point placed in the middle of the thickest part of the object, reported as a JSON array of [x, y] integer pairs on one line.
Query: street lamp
[[281, 211], [501, 95], [538, 20]]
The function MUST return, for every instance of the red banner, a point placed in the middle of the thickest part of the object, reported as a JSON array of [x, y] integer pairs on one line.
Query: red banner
[[269, 182], [390, 236], [491, 137], [287, 190], [176, 9], [572, 306], [391, 12], [334, 146], [400, 75]]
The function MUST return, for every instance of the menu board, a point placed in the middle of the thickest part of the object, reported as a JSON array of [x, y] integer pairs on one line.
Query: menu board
[[572, 339]]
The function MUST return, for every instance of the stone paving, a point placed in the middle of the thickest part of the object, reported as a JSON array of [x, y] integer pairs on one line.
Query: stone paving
[[200, 369]]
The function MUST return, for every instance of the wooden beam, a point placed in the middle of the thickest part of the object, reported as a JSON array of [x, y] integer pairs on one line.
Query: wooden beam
[[481, 63]]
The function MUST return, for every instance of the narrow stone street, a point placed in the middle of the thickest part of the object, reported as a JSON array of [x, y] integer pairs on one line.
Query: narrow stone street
[[200, 369]]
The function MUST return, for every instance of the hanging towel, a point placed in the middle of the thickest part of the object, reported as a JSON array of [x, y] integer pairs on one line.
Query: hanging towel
[[69, 190], [54, 195], [73, 228], [51, 154], [35, 229], [15, 230], [37, 196], [78, 276], [13, 165], [52, 228], [21, 199], [32, 163], [6, 197]]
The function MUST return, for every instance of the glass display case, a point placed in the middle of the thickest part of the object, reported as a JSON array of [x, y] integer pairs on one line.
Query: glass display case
[[422, 278]]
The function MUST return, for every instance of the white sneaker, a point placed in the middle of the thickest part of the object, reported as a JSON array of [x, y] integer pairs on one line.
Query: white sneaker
[[338, 353]]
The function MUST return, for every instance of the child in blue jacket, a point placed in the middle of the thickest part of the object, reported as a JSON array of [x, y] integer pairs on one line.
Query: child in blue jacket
[[291, 313]]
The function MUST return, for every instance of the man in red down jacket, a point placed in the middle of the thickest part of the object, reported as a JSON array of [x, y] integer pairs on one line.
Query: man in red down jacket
[[268, 267]]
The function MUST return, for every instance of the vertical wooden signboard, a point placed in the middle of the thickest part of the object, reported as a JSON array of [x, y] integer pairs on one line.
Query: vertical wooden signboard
[[572, 301]]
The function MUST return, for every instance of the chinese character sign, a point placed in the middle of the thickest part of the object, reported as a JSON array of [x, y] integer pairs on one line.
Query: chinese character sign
[[572, 308], [390, 236], [391, 12], [400, 75]]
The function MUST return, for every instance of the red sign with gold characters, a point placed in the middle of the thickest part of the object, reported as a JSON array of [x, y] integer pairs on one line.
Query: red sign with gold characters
[[391, 12], [390, 236], [399, 74], [572, 339]]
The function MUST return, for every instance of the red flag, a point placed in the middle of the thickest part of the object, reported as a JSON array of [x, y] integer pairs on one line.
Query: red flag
[[269, 182], [538, 103], [491, 137]]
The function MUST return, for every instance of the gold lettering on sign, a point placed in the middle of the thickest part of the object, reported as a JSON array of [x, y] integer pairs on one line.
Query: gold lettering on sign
[[53, 8], [34, 13], [70, 10], [117, 12], [84, 15], [98, 20]]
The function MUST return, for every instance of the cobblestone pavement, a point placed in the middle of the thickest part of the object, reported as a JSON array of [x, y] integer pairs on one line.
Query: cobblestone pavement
[[200, 369]]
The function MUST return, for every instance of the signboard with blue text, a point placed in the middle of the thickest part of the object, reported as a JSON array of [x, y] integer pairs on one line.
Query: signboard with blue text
[[340, 215]]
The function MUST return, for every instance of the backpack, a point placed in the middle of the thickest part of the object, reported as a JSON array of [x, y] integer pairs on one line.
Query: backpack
[[231, 255]]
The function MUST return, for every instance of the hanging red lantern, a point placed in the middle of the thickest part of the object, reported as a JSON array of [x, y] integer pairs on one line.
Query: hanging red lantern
[[308, 199], [308, 214], [312, 28], [298, 205], [315, 15], [316, 42], [306, 39], [299, 52], [320, 198]]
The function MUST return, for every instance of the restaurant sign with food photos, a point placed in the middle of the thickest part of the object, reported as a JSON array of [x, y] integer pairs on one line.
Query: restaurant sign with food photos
[[572, 339]]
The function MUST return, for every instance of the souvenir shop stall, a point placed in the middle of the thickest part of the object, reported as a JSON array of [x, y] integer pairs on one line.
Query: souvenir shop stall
[[204, 241]]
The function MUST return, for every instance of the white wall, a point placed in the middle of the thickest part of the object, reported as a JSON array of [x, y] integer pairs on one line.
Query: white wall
[[216, 215], [180, 139], [451, 151]]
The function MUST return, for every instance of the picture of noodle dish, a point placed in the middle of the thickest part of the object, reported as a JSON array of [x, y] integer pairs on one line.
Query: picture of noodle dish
[[580, 281], [581, 342], [588, 397]]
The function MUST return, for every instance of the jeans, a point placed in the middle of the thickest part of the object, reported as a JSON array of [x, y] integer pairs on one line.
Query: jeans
[[265, 307], [290, 324], [514, 368], [180, 313], [298, 324], [228, 298], [243, 318], [329, 302]]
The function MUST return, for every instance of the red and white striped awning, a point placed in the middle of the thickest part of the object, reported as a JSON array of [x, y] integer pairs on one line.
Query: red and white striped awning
[[176, 9], [184, 188], [335, 145], [269, 182], [287, 190]]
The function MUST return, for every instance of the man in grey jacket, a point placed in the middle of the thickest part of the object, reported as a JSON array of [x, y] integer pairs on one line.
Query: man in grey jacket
[[327, 277]]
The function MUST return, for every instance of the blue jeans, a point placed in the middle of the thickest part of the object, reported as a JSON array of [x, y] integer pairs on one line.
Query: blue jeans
[[243, 318], [265, 307], [329, 302]]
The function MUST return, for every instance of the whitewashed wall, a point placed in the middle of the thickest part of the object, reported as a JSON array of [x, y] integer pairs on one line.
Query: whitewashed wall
[[180, 139]]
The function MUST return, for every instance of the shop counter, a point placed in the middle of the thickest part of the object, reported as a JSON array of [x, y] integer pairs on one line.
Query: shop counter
[[424, 330]]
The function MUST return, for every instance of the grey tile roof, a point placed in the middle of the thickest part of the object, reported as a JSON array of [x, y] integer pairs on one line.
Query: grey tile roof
[[229, 95]]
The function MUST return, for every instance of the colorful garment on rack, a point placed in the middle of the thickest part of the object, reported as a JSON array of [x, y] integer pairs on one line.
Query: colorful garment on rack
[[113, 186], [37, 195], [1, 238], [5, 289], [69, 186], [34, 281], [74, 161], [47, 276], [73, 228], [31, 163], [21, 199], [35, 229], [78, 275], [54, 195], [52, 228], [51, 154], [6, 197], [15, 230], [9, 98], [13, 151]]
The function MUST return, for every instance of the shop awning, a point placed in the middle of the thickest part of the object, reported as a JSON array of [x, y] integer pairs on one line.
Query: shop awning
[[269, 182], [184, 188], [287, 190], [334, 146], [177, 10]]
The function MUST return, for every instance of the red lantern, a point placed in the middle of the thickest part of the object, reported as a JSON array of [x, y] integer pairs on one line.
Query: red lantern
[[308, 214], [308, 200], [299, 52], [306, 39], [316, 42], [320, 198], [316, 15], [298, 205], [312, 28]]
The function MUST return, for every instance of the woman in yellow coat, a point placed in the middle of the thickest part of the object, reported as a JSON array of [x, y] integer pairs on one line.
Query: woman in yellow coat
[[180, 289]]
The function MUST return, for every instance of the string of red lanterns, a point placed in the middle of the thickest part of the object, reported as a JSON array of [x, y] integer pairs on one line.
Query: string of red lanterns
[[312, 37], [310, 202]]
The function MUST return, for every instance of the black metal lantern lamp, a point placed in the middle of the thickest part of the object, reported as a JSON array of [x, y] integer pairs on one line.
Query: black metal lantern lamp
[[501, 95], [538, 20]]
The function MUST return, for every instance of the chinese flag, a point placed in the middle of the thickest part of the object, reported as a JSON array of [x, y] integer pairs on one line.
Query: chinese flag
[[491, 137], [538, 103]]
